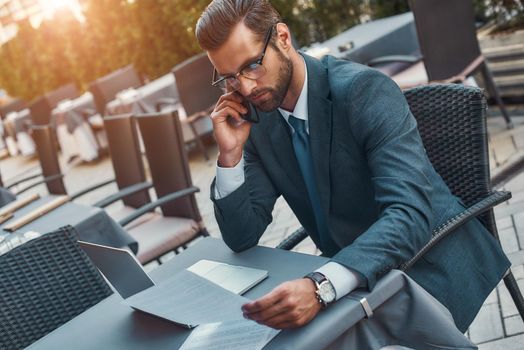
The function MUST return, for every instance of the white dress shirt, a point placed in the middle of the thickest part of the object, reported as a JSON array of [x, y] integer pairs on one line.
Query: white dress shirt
[[344, 280]]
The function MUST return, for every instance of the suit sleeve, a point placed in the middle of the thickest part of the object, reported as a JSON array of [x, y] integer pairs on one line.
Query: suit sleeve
[[387, 132], [244, 214]]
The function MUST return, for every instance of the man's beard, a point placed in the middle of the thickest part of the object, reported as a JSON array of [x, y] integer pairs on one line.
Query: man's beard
[[278, 93]]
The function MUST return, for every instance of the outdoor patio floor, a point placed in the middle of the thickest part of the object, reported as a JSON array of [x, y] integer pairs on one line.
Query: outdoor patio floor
[[497, 326]]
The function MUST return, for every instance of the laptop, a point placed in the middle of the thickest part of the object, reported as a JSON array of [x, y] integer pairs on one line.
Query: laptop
[[120, 267], [125, 273]]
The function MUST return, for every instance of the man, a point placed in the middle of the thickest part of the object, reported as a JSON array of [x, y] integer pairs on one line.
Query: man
[[338, 141]]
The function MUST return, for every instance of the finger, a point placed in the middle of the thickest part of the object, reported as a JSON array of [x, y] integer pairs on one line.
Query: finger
[[232, 96], [265, 302], [222, 115], [266, 314], [233, 104]]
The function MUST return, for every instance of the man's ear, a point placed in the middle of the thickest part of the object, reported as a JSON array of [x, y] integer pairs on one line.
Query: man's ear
[[283, 36]]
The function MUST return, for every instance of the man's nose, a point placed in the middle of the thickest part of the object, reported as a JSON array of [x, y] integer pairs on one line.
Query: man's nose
[[246, 85]]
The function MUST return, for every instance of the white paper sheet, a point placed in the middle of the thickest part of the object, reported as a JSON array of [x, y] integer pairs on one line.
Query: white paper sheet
[[190, 300], [232, 335]]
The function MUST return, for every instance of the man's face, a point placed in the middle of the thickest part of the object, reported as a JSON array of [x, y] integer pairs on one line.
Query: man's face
[[242, 48]]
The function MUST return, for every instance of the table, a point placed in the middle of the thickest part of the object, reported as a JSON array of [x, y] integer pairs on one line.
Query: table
[[144, 98], [395, 35], [16, 126], [6, 196], [92, 225], [73, 130], [114, 325]]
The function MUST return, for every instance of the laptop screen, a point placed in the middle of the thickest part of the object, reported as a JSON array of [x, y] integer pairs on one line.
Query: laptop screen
[[119, 267]]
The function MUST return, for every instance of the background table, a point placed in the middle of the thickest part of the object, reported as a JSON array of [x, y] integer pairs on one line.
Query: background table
[[114, 325], [6, 196], [75, 135], [395, 35], [92, 224], [16, 126], [146, 97]]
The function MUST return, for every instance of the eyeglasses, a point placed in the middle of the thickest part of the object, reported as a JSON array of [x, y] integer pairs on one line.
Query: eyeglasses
[[253, 70]]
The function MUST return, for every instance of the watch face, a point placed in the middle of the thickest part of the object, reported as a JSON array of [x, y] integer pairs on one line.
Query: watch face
[[326, 292]]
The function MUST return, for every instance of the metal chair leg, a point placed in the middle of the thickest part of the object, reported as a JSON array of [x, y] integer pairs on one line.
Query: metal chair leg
[[204, 233], [490, 82], [514, 291], [198, 141]]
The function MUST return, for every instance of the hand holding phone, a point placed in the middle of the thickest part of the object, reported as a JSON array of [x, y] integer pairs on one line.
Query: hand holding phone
[[252, 113], [230, 127]]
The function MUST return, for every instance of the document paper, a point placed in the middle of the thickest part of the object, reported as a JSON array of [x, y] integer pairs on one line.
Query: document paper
[[231, 335], [189, 300]]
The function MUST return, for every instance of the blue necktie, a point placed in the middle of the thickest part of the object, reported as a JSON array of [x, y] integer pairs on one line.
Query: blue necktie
[[305, 161]]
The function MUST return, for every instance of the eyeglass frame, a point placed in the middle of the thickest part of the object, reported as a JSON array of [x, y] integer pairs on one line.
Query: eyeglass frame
[[258, 61]]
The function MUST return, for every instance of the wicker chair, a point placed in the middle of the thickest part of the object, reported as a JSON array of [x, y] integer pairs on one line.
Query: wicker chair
[[105, 89], [45, 283], [180, 221], [196, 95], [452, 123], [42, 106], [449, 47]]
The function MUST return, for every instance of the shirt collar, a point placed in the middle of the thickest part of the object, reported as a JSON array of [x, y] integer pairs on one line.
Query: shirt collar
[[301, 110]]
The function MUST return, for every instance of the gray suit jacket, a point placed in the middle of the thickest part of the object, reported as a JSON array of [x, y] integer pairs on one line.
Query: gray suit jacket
[[380, 193]]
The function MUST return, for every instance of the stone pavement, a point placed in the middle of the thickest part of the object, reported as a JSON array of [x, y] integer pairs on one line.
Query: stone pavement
[[497, 325]]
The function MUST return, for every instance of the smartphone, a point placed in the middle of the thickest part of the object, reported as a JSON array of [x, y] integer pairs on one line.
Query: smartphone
[[252, 113]]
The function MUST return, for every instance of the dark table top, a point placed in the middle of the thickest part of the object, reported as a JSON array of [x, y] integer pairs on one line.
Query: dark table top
[[395, 35], [92, 224], [114, 325]]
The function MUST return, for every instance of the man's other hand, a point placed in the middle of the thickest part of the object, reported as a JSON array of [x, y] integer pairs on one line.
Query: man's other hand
[[292, 304]]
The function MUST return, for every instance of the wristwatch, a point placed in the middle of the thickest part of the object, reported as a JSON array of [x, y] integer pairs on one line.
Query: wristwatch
[[325, 292]]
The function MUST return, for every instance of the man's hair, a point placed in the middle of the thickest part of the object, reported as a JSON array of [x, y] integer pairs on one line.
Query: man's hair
[[220, 16]]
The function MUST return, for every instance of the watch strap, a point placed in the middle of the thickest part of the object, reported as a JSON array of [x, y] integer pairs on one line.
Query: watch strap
[[318, 278]]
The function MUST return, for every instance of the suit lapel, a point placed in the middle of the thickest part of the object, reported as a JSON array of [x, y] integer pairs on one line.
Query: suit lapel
[[320, 119]]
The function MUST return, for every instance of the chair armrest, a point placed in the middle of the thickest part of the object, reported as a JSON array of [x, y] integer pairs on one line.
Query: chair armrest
[[292, 240], [461, 77], [392, 59], [91, 188], [161, 201], [44, 180], [196, 116], [164, 101], [126, 191], [461, 218], [23, 180]]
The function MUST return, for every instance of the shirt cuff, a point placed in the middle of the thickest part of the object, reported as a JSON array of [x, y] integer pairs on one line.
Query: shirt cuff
[[344, 280], [229, 179]]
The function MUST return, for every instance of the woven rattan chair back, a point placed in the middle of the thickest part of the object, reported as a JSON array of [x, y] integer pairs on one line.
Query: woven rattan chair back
[[124, 148], [44, 283], [13, 106], [193, 81], [106, 88], [46, 147], [42, 107], [446, 34], [452, 123], [168, 163]]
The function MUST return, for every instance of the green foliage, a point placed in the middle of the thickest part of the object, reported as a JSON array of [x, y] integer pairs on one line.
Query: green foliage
[[155, 35], [506, 14], [386, 8]]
